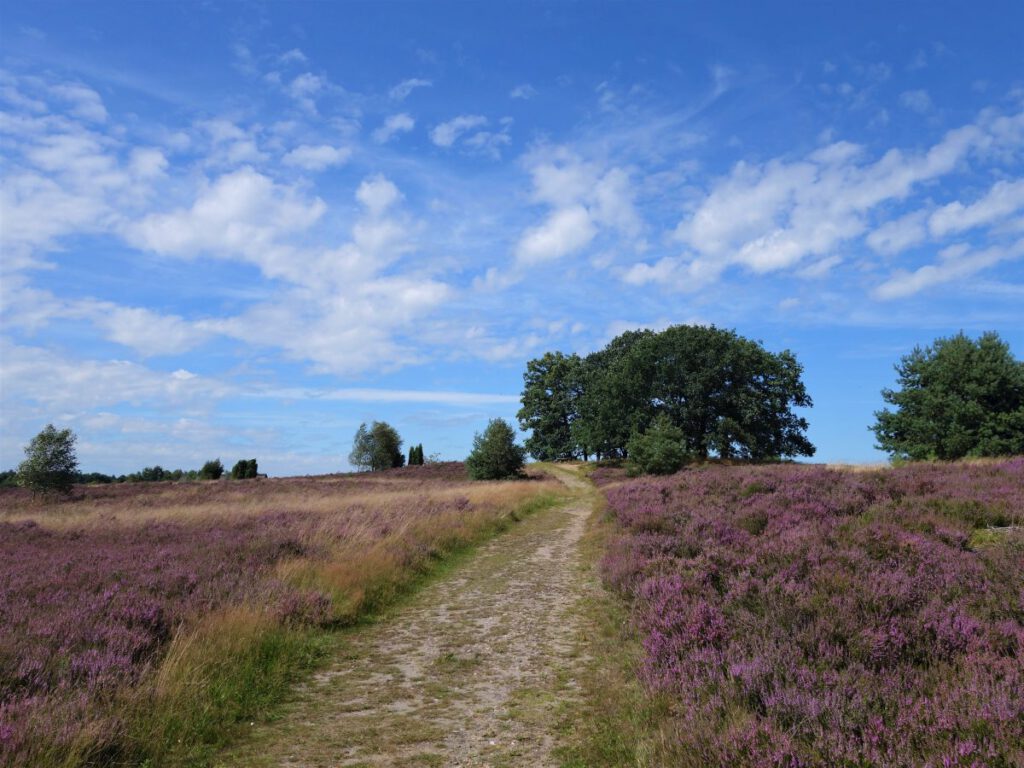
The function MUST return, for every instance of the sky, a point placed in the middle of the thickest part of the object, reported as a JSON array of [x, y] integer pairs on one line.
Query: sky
[[239, 230]]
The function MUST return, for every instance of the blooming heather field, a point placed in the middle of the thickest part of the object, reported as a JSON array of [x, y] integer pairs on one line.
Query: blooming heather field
[[802, 616], [135, 616]]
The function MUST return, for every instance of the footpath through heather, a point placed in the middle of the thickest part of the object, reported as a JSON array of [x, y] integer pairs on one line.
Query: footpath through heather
[[480, 668]]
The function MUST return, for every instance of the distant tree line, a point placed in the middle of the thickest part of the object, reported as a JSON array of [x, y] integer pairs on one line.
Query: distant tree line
[[51, 466], [707, 390]]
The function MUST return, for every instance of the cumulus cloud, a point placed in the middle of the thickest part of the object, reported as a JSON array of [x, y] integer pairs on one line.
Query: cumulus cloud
[[1002, 200], [377, 194], [956, 262], [85, 102], [565, 231], [242, 214], [392, 126], [898, 235], [446, 134], [585, 198], [774, 215], [304, 89], [404, 88], [317, 158]]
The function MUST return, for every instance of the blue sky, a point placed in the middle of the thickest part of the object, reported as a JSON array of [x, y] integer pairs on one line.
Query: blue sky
[[240, 230]]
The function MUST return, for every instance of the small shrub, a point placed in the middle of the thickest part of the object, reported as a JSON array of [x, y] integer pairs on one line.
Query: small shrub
[[495, 454], [658, 451]]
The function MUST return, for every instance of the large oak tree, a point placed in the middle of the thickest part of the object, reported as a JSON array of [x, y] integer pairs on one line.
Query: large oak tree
[[728, 395]]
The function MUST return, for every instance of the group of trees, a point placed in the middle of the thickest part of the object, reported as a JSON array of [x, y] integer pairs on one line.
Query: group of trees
[[245, 469], [416, 455], [495, 454], [376, 447], [660, 398], [707, 389], [51, 467]]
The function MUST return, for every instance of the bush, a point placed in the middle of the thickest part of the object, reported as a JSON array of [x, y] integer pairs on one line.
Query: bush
[[244, 469], [212, 470], [495, 454], [660, 450], [50, 464]]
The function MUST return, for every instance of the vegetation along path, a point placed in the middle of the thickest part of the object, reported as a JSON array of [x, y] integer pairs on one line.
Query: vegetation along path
[[480, 668]]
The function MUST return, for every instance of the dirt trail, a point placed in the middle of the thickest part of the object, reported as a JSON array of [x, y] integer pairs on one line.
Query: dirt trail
[[479, 669]]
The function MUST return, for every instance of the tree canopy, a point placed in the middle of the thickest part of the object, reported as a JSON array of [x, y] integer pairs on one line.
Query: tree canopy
[[245, 469], [956, 398], [495, 454], [376, 447], [550, 393], [50, 464], [728, 395], [211, 470]]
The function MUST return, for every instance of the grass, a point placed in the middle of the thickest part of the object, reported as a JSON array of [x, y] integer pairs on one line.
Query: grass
[[362, 542], [615, 723], [238, 668]]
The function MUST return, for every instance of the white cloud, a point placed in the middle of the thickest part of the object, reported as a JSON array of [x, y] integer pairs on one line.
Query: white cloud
[[305, 88], [446, 134], [317, 158], [917, 101], [404, 88], [524, 91], [294, 56], [377, 194], [565, 231], [956, 263], [241, 214], [1002, 200], [819, 268], [488, 142], [148, 162], [147, 332], [898, 235], [372, 395], [85, 102], [90, 384], [392, 126], [613, 202], [773, 216]]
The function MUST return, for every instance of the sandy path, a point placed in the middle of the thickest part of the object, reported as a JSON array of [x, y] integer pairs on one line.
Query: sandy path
[[477, 670]]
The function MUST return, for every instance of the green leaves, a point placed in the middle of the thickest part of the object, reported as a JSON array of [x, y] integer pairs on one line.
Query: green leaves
[[728, 395], [211, 470], [50, 464], [495, 454], [957, 398], [377, 447]]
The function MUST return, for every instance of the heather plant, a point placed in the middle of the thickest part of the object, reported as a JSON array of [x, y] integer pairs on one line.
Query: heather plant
[[801, 616], [143, 620]]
